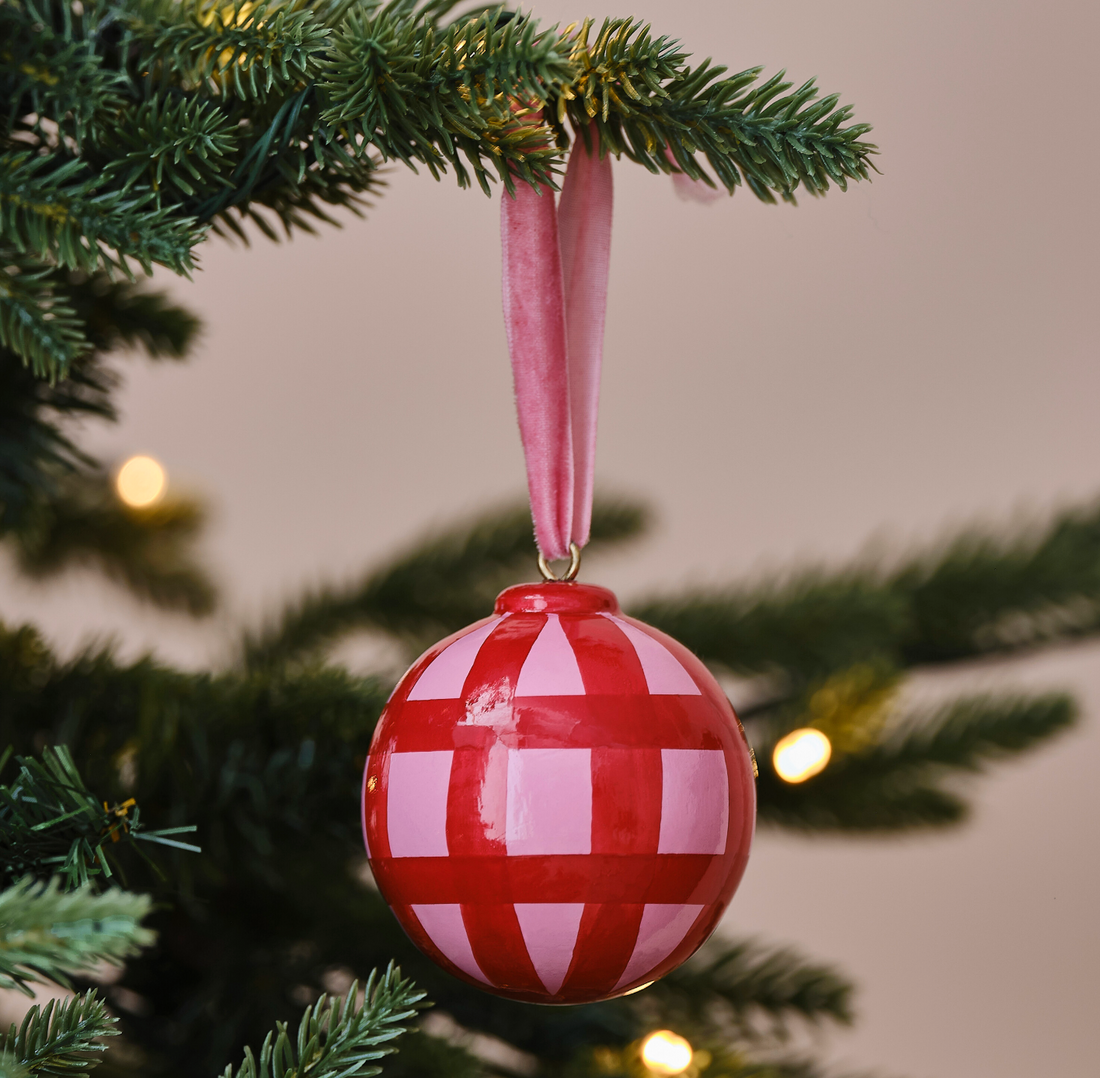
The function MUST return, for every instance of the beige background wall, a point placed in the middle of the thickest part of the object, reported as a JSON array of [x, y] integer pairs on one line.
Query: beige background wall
[[781, 383]]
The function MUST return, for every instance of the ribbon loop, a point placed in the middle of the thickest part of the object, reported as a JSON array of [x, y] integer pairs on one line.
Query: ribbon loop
[[555, 262]]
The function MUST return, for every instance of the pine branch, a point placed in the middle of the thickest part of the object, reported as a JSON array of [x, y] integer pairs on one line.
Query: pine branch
[[85, 315], [10, 1067], [284, 165], [419, 94], [36, 323], [338, 1040], [298, 177], [753, 983], [244, 780], [146, 550], [47, 933], [61, 1038], [56, 73], [903, 780], [133, 128], [241, 48], [983, 592], [179, 148], [443, 584], [56, 505], [648, 105], [797, 630], [997, 591], [50, 824], [118, 314], [968, 733], [34, 451], [64, 216]]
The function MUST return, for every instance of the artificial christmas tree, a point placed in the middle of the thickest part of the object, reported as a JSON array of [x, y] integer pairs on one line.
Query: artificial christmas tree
[[134, 128]]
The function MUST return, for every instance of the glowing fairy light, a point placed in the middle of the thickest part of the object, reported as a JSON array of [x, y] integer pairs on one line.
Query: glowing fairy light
[[666, 1053], [801, 755], [141, 482]]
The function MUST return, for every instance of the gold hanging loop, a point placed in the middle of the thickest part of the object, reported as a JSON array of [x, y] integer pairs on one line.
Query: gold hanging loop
[[569, 574]]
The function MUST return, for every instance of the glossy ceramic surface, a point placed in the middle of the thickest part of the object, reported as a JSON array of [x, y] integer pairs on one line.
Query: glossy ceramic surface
[[559, 802]]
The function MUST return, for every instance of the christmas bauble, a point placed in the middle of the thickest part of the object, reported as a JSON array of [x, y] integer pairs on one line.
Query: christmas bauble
[[559, 800]]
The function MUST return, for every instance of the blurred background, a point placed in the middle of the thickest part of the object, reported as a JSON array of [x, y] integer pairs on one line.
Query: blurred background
[[783, 386]]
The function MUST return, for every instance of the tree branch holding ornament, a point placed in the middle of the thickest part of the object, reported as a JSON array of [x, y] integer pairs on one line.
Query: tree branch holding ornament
[[138, 127], [558, 799]]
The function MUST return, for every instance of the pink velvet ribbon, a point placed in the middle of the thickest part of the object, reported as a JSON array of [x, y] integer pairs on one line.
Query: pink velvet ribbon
[[556, 260]]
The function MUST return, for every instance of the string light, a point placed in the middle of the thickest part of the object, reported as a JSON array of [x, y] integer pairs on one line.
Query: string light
[[666, 1053], [141, 482], [801, 755]]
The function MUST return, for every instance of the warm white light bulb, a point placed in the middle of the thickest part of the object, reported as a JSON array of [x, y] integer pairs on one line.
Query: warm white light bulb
[[141, 482], [666, 1053], [801, 755]]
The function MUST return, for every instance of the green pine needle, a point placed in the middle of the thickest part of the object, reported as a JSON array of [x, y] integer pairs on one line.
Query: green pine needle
[[648, 105], [121, 315], [985, 591], [178, 148], [47, 933], [57, 505], [970, 732], [903, 779], [795, 630], [338, 1038], [148, 551], [418, 94], [63, 216], [36, 323], [55, 69], [59, 1039], [240, 48], [750, 983], [50, 824]]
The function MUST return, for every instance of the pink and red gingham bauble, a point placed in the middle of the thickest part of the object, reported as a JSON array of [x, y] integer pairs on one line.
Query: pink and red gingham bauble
[[559, 801]]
